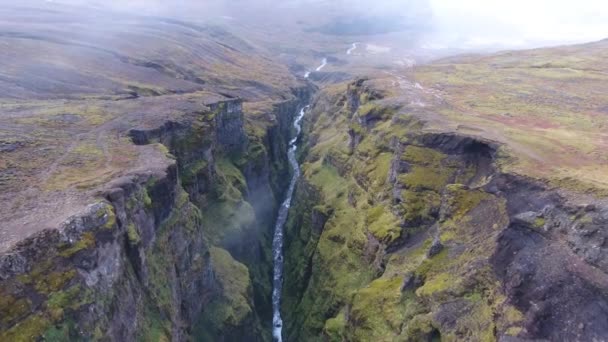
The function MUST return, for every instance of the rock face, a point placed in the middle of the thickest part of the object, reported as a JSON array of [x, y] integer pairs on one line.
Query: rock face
[[409, 235], [179, 253], [229, 123]]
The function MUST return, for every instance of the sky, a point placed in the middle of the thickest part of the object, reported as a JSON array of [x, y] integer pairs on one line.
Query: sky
[[494, 23], [465, 24], [518, 23]]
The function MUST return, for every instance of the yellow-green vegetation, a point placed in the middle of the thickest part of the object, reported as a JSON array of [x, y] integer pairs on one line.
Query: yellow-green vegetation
[[545, 105], [335, 327], [232, 307], [428, 171], [107, 213], [420, 205], [383, 224], [378, 310], [461, 200], [234, 279], [133, 234], [539, 223], [232, 183], [366, 216], [228, 214], [41, 322], [12, 308], [87, 241], [435, 285], [29, 329]]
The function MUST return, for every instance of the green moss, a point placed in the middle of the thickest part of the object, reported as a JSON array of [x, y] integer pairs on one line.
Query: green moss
[[367, 108], [462, 200], [539, 223], [335, 327], [376, 110], [513, 331], [422, 156], [329, 182], [57, 333], [378, 310], [12, 308], [356, 128], [27, 330], [159, 269], [438, 283], [377, 170], [232, 183], [191, 171], [146, 199], [54, 281], [420, 328], [164, 150], [133, 234], [87, 241], [227, 220], [232, 307], [448, 236], [154, 328], [419, 206], [431, 266], [107, 213], [383, 224], [479, 323], [61, 301], [423, 178], [512, 315]]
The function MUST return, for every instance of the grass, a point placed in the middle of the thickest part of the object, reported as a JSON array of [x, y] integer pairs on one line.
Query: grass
[[545, 105], [359, 302], [383, 224]]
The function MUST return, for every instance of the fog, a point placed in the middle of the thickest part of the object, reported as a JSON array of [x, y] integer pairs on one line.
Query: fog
[[440, 24], [517, 23]]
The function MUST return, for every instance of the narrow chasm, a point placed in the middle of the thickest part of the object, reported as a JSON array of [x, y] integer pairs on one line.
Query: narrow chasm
[[235, 179], [181, 252]]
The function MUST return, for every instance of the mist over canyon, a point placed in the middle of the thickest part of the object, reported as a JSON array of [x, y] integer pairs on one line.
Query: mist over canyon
[[303, 171]]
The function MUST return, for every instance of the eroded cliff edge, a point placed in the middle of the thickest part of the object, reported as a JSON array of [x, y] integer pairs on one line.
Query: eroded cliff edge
[[176, 252], [403, 233]]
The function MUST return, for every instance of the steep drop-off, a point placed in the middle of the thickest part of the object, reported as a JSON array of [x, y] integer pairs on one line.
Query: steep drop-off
[[167, 254], [401, 233]]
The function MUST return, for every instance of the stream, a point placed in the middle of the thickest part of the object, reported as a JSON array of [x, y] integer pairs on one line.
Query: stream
[[277, 241], [353, 48]]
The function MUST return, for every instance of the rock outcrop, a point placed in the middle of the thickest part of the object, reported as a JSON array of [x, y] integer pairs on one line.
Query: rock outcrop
[[175, 253], [399, 233]]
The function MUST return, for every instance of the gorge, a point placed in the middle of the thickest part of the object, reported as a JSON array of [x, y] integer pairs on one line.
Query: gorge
[[176, 178]]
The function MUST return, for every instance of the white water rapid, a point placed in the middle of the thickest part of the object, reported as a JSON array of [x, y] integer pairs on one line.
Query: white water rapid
[[277, 241]]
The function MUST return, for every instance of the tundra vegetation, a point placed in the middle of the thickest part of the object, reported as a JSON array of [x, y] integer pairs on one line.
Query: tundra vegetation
[[143, 160]]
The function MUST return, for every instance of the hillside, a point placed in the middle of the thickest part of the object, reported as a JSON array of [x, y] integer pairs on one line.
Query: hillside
[[69, 99], [128, 144], [460, 200]]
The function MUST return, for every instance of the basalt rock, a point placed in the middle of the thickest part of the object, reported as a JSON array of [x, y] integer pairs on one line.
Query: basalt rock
[[146, 261]]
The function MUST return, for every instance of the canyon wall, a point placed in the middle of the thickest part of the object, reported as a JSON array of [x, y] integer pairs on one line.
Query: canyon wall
[[398, 233], [176, 253]]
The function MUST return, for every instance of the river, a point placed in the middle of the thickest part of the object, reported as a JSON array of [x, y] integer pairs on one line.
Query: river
[[277, 241]]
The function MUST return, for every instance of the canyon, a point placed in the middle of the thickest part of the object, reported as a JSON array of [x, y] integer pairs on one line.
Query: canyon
[[163, 179]]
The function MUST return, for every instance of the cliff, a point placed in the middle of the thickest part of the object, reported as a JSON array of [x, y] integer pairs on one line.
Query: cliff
[[176, 252], [401, 231]]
